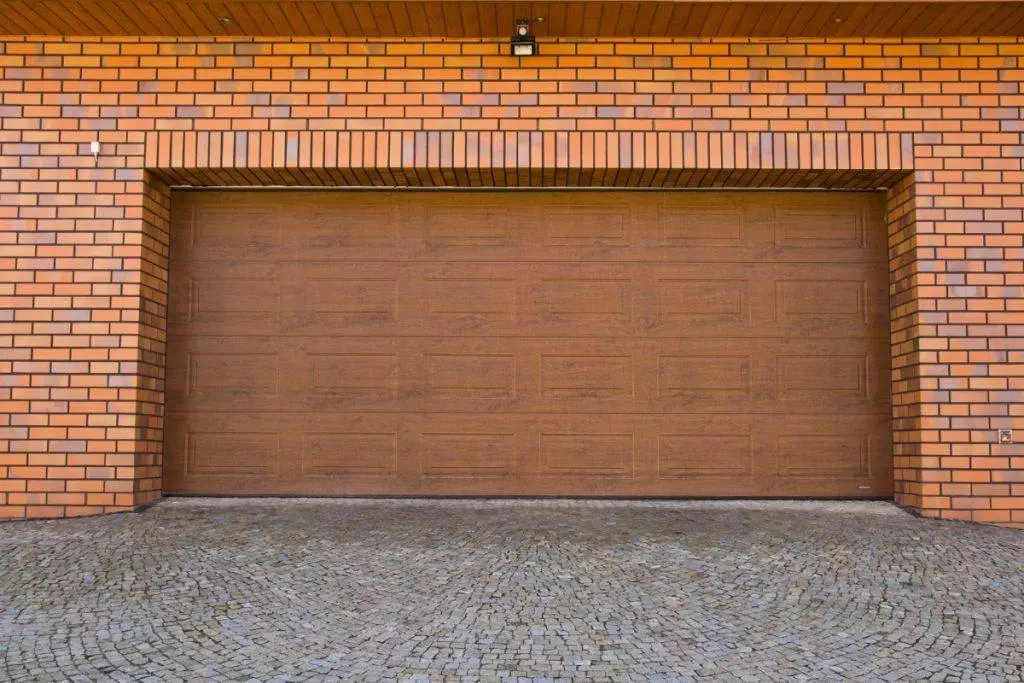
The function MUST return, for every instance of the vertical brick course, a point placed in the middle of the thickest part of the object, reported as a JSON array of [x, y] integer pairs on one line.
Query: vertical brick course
[[83, 242]]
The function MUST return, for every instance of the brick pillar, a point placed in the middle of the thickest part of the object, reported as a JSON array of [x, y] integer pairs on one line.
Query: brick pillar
[[150, 331], [910, 450], [83, 248], [957, 268]]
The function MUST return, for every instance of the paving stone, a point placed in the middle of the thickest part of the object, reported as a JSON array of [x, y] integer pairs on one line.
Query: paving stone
[[507, 590]]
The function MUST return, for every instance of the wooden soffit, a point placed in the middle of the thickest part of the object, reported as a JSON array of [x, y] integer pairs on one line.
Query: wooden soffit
[[495, 18]]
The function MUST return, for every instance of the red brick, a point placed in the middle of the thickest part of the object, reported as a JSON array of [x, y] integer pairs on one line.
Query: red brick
[[73, 257]]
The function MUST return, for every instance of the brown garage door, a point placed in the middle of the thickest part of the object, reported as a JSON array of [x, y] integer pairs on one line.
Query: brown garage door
[[528, 343]]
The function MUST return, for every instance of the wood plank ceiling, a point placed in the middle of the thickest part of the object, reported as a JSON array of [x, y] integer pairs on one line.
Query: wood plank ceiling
[[494, 18]]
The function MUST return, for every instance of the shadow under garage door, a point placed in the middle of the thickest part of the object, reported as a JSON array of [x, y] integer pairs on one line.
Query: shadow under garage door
[[528, 343]]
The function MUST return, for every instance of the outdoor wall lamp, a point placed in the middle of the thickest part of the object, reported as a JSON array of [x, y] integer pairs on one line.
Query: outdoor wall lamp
[[524, 44]]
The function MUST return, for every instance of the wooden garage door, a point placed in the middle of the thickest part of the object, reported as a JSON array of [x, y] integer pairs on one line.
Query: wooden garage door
[[528, 343]]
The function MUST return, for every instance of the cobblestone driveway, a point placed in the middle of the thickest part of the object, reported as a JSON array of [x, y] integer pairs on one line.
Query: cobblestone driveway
[[304, 589]]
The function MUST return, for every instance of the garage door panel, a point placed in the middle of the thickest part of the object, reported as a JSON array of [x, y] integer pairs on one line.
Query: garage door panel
[[714, 449], [590, 300], [775, 228], [264, 452], [333, 452], [345, 299], [809, 227], [811, 232], [578, 454], [280, 373], [361, 377], [584, 446], [517, 454], [528, 374], [830, 302], [463, 299], [703, 454], [226, 448], [253, 233], [819, 448], [460, 377], [478, 452], [253, 301], [715, 227], [370, 224], [472, 227], [618, 343], [242, 372], [684, 300], [700, 302], [246, 227], [349, 289]]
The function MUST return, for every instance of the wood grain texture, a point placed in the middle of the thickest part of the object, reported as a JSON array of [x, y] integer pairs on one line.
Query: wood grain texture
[[494, 18], [529, 343]]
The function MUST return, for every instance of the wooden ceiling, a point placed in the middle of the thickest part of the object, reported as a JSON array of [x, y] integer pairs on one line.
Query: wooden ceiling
[[494, 18]]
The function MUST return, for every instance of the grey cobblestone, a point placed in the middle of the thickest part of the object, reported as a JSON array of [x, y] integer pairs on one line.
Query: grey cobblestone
[[297, 590]]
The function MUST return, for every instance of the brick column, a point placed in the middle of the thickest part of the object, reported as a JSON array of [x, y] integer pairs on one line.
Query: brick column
[[83, 256], [959, 324]]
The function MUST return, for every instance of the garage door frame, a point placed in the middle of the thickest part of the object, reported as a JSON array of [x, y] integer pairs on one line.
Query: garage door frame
[[857, 161], [639, 254]]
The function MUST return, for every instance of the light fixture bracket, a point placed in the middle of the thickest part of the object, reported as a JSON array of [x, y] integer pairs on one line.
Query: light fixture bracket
[[524, 43]]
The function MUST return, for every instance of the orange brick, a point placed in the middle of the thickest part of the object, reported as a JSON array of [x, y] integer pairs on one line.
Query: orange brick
[[85, 271]]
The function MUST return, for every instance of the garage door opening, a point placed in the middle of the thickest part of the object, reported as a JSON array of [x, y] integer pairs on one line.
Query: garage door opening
[[530, 343]]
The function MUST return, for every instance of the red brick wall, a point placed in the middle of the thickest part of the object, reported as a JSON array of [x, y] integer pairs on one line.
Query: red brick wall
[[83, 243]]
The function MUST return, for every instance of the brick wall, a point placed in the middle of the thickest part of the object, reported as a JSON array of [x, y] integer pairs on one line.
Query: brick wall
[[83, 242]]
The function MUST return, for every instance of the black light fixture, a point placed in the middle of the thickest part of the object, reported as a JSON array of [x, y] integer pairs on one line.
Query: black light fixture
[[524, 44]]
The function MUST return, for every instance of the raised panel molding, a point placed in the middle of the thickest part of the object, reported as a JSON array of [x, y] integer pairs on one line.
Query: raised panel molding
[[704, 300], [363, 374], [363, 226], [466, 225], [817, 375], [821, 230], [242, 295], [703, 375], [584, 225], [481, 296], [233, 371], [470, 454], [374, 296], [343, 453], [703, 455], [687, 227], [586, 296], [469, 376], [231, 453], [239, 235], [824, 455], [586, 454], [821, 299], [581, 376]]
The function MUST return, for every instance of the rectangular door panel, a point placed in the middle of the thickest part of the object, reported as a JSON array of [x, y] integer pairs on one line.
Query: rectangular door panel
[[528, 343]]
